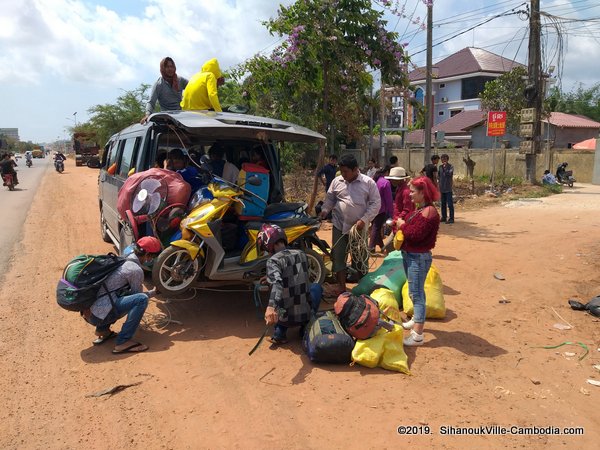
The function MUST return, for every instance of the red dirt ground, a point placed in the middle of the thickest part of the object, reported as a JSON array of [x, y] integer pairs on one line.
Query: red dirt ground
[[482, 365]]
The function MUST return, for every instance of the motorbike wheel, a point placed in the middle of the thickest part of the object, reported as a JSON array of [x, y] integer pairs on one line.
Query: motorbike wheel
[[174, 271], [11, 187], [570, 184], [316, 266]]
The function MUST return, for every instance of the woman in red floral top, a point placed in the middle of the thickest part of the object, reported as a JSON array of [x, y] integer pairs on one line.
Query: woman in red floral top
[[420, 230]]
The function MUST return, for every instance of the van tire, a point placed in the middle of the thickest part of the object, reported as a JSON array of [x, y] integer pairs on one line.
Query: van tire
[[104, 228]]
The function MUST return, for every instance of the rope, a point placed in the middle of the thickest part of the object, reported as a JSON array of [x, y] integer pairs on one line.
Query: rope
[[159, 321], [581, 344], [358, 246]]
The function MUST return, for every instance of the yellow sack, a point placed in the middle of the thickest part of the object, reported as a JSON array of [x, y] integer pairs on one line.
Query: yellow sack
[[398, 240], [435, 307], [368, 352], [385, 349], [394, 357], [387, 303]]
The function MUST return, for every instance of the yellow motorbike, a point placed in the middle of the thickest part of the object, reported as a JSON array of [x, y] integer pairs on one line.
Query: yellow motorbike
[[217, 249]]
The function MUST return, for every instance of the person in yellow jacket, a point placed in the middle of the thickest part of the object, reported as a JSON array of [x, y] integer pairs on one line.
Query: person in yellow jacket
[[201, 91]]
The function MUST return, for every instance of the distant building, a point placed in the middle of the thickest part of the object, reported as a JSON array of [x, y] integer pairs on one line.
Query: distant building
[[458, 80], [567, 130], [12, 133]]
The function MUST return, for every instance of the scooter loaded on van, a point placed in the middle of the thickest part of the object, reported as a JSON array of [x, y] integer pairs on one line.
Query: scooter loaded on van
[[210, 239], [206, 251]]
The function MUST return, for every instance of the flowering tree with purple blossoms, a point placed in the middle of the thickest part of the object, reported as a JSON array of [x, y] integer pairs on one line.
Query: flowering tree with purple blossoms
[[320, 74]]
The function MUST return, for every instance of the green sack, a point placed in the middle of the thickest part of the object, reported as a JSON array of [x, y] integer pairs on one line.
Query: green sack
[[389, 275]]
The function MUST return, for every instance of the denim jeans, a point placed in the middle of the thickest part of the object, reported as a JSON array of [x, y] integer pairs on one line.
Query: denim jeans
[[416, 266], [449, 201], [133, 306], [316, 293]]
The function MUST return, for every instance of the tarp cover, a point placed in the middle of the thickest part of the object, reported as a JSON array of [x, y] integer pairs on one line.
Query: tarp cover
[[178, 190]]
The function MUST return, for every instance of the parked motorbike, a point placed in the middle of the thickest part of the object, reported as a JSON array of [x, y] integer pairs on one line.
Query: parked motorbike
[[564, 176], [8, 181], [59, 165], [208, 252], [28, 163]]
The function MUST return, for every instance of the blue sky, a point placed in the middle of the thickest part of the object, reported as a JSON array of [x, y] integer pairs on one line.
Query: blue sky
[[58, 57]]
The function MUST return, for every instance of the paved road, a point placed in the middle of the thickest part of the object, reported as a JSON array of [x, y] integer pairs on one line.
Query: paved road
[[16, 204]]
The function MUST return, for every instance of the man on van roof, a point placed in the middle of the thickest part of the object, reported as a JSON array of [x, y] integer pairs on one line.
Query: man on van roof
[[201, 92]]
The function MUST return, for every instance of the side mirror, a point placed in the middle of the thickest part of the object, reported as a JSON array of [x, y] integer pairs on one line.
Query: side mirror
[[254, 180]]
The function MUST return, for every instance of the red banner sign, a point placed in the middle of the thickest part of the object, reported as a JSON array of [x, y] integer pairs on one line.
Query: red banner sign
[[496, 123]]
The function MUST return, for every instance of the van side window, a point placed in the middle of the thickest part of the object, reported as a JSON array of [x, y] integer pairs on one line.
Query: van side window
[[127, 157]]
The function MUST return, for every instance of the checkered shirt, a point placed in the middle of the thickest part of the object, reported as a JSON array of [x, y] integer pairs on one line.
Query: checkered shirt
[[287, 273]]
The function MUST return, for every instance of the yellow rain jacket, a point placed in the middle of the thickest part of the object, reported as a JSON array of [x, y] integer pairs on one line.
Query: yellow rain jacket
[[201, 91]]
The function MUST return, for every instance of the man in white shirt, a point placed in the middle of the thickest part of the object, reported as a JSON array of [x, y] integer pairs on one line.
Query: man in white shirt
[[353, 199]]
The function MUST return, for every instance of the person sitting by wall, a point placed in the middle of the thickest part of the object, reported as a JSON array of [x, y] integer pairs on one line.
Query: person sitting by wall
[[548, 178]]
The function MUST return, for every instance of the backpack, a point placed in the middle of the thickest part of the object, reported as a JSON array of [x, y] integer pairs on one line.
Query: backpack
[[325, 341], [358, 314], [83, 277]]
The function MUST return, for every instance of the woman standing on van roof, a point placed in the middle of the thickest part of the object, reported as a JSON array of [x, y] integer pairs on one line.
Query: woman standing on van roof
[[167, 89]]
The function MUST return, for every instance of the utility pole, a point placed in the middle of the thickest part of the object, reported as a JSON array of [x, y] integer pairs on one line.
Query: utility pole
[[428, 87], [535, 90], [382, 122]]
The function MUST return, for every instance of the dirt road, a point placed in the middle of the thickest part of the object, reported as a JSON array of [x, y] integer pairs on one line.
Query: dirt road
[[482, 365]]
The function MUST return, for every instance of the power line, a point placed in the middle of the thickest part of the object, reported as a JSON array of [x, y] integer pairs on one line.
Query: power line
[[508, 13]]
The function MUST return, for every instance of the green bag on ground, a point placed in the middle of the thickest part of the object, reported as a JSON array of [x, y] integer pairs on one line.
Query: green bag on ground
[[389, 275]]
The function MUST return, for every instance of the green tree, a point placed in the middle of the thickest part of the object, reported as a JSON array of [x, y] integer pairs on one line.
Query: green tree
[[506, 93], [319, 75], [106, 120], [585, 102]]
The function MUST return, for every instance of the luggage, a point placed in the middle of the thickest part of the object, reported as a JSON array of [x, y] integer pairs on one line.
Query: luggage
[[385, 350], [82, 278], [435, 307], [325, 341], [389, 275], [359, 315]]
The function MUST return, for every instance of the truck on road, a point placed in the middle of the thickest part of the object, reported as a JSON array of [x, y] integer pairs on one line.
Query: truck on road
[[86, 148]]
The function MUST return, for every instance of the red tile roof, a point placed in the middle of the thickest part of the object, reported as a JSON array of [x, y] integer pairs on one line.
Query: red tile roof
[[564, 120], [459, 125], [466, 61]]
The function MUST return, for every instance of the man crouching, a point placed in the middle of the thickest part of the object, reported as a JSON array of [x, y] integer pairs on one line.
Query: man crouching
[[293, 299]]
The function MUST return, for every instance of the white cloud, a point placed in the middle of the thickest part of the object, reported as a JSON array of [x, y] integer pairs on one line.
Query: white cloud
[[91, 44]]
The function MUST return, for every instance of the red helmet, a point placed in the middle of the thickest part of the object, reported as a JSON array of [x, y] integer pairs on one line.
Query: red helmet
[[149, 244], [269, 235]]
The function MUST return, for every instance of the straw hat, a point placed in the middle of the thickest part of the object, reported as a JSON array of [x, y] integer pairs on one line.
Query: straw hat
[[397, 173]]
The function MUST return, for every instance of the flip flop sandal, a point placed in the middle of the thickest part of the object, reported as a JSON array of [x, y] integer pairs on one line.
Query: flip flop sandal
[[131, 349], [102, 339]]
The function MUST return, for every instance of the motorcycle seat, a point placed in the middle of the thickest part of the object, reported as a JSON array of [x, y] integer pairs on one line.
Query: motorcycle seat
[[287, 223], [278, 208]]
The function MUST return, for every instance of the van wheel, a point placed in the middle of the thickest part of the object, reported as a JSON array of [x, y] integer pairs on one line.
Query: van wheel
[[316, 266], [104, 228]]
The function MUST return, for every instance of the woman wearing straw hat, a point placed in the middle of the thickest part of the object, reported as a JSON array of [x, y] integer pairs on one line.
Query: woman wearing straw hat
[[403, 205]]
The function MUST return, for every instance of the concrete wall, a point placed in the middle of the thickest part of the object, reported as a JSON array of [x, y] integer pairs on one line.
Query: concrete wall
[[508, 162]]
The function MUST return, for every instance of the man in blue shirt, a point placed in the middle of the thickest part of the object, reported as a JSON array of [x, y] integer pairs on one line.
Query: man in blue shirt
[[179, 163], [327, 173]]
